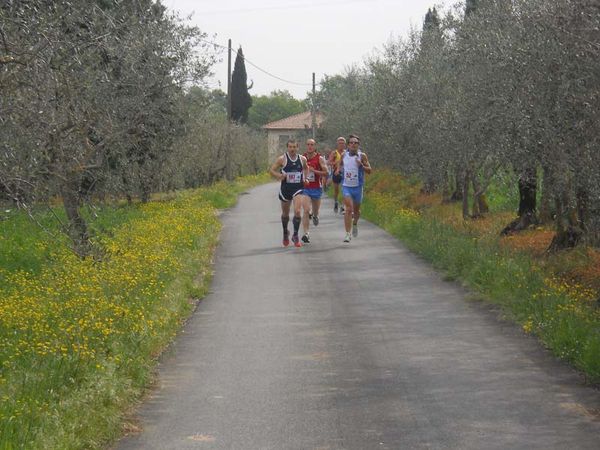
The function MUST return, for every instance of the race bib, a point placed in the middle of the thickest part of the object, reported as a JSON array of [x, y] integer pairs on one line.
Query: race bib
[[293, 177], [351, 177], [311, 176]]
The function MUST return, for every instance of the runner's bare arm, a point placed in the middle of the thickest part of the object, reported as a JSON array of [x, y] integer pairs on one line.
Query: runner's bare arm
[[330, 158], [275, 169], [338, 167], [323, 166], [304, 167], [365, 163]]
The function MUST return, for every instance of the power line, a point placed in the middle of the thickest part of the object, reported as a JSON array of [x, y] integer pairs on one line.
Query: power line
[[275, 76], [258, 67]]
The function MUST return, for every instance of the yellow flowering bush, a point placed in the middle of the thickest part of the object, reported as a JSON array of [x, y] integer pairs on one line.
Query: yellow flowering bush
[[65, 325]]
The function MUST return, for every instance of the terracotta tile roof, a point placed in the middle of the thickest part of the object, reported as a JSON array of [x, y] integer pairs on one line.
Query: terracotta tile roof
[[295, 122]]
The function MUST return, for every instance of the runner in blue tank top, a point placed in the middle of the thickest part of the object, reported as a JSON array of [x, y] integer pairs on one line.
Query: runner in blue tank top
[[290, 168], [353, 166]]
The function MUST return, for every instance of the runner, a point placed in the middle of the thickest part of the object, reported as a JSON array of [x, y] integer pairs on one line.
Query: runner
[[290, 168], [326, 180], [353, 166], [334, 159], [313, 187]]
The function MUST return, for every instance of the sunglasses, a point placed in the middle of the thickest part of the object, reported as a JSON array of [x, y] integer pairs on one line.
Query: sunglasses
[[352, 142]]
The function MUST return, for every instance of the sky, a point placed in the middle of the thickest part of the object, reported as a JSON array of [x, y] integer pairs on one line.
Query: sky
[[291, 39]]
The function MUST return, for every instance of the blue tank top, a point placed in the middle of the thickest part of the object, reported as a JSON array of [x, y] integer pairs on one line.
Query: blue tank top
[[293, 172]]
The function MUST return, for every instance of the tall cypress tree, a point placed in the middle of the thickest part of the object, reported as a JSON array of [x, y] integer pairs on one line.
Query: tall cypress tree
[[241, 101], [431, 35], [432, 20]]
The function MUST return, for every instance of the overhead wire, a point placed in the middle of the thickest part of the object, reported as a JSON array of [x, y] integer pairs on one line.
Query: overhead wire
[[297, 83]]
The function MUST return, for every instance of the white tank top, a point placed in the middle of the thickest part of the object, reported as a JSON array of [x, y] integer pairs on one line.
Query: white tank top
[[352, 171]]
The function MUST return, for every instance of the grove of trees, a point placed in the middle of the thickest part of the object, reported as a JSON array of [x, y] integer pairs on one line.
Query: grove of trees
[[277, 105], [96, 103], [493, 87]]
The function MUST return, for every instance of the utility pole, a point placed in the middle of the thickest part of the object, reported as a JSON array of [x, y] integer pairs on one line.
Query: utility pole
[[313, 112], [228, 168], [229, 82]]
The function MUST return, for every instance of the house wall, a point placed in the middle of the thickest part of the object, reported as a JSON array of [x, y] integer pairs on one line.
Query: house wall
[[277, 140]]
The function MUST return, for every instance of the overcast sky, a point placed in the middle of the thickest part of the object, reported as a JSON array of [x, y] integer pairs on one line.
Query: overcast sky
[[291, 39]]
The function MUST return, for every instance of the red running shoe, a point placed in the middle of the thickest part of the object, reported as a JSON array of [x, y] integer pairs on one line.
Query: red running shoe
[[286, 239], [296, 241]]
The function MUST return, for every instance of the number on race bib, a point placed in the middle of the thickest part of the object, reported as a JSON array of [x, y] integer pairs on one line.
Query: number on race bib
[[351, 177], [294, 177]]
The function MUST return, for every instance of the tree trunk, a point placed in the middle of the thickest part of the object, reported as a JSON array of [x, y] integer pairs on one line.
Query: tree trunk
[[527, 203], [429, 187], [583, 207], [480, 205], [546, 212], [588, 216], [568, 233], [77, 227], [146, 191], [447, 191], [458, 193], [465, 194]]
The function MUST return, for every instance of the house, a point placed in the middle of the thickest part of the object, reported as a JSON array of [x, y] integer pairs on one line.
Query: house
[[297, 127]]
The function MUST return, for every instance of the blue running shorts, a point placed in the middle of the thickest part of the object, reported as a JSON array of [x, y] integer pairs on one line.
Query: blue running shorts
[[313, 193], [355, 192]]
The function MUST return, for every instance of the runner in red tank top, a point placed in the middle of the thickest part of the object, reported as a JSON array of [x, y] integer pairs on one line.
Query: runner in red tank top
[[313, 187]]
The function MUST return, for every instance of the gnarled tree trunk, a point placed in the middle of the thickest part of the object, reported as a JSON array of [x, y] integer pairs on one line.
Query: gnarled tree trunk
[[465, 194], [568, 230], [77, 226], [480, 205], [546, 211], [527, 203]]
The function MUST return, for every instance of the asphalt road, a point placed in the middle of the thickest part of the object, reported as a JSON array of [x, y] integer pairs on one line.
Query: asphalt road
[[352, 346]]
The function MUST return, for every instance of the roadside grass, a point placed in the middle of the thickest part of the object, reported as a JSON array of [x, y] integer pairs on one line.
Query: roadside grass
[[79, 338], [551, 296]]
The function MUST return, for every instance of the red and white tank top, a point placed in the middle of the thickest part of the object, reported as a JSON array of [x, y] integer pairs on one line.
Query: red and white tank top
[[313, 179]]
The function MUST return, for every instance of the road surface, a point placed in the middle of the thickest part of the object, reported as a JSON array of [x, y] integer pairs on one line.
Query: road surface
[[352, 346]]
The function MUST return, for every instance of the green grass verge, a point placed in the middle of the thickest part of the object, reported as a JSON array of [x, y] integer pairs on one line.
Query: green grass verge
[[565, 321], [79, 338]]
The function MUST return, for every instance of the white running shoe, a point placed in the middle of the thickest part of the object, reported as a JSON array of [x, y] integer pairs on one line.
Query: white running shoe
[[347, 238], [355, 230]]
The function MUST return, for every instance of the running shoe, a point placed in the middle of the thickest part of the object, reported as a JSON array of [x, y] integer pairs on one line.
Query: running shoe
[[296, 241], [306, 238], [342, 210], [315, 220], [347, 238], [286, 238], [335, 208], [355, 230]]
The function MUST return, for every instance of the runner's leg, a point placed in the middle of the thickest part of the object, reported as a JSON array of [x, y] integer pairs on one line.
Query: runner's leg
[[348, 204], [355, 216], [336, 193], [305, 215], [297, 203], [316, 206], [285, 219], [356, 211]]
